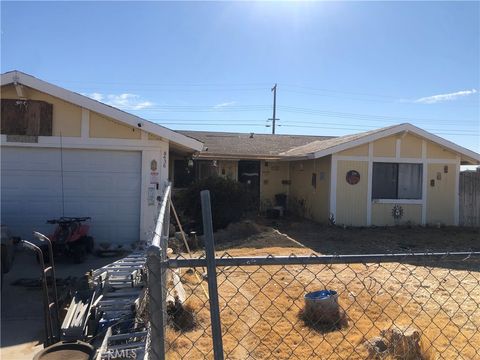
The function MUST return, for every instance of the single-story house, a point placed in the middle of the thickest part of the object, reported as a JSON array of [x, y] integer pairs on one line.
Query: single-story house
[[64, 154], [242, 157], [394, 175]]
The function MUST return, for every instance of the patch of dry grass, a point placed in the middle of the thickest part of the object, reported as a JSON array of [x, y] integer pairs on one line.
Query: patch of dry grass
[[260, 309]]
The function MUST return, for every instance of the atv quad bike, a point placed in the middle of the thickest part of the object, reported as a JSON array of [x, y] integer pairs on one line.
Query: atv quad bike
[[71, 238]]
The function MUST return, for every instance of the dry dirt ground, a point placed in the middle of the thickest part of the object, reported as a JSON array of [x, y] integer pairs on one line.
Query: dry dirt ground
[[260, 306]]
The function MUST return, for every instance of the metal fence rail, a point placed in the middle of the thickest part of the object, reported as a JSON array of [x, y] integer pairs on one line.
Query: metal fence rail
[[262, 307], [392, 306], [157, 281]]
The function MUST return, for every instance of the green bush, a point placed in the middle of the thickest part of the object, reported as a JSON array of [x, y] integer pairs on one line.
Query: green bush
[[230, 200]]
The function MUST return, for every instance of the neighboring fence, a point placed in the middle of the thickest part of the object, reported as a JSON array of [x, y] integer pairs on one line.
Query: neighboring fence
[[470, 198], [405, 306]]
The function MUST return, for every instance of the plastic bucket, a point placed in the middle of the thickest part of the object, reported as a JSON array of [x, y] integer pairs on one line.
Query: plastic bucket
[[322, 306]]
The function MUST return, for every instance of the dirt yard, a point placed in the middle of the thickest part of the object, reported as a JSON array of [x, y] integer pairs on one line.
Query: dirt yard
[[260, 306]]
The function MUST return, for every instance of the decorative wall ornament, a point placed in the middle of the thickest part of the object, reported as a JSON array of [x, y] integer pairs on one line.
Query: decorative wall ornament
[[153, 165], [397, 212], [353, 177]]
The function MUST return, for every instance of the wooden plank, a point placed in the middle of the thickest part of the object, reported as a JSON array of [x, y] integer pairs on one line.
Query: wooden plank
[[26, 117]]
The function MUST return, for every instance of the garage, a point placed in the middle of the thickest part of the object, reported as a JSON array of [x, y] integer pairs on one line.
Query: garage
[[64, 154], [102, 184]]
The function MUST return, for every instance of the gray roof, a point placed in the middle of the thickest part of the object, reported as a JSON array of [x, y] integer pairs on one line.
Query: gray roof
[[320, 145], [293, 147], [244, 145]]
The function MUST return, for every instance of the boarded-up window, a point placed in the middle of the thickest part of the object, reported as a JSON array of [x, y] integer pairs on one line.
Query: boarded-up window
[[26, 117], [397, 181]]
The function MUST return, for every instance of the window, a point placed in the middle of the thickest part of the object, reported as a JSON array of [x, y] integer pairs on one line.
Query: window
[[183, 175], [397, 181]]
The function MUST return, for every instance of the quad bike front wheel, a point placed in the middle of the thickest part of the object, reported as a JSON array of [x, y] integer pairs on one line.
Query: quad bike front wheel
[[79, 252]]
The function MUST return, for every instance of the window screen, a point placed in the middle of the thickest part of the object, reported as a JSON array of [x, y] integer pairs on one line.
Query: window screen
[[397, 181], [409, 181]]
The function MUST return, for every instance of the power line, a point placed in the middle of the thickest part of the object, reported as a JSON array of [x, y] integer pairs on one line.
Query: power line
[[340, 127]]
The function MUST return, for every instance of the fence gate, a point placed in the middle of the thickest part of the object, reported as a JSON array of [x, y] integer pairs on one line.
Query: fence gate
[[470, 198]]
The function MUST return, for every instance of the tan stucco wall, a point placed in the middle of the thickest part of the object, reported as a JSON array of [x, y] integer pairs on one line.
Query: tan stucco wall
[[316, 200], [271, 177], [351, 199], [356, 151], [382, 214], [104, 127], [441, 196], [228, 169], [67, 118], [385, 147], [410, 146], [435, 151]]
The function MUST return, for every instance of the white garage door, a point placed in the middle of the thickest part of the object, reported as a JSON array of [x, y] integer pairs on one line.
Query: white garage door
[[104, 185]]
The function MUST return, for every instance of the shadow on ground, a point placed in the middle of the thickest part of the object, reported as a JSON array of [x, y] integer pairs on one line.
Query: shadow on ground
[[335, 240], [22, 320]]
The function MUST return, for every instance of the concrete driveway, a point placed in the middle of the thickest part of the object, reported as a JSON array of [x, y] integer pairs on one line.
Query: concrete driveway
[[22, 322]]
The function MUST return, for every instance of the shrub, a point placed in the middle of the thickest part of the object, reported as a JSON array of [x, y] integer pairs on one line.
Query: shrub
[[230, 200]]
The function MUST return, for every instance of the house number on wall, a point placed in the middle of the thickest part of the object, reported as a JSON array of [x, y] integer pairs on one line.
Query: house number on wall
[[353, 177]]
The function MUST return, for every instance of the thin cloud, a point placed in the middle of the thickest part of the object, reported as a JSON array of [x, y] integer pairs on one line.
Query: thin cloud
[[225, 104], [123, 101], [444, 97]]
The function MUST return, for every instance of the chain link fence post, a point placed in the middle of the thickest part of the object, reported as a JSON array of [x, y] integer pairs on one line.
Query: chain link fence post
[[212, 275]]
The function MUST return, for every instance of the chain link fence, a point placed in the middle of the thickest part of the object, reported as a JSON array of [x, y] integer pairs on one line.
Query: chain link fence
[[396, 306]]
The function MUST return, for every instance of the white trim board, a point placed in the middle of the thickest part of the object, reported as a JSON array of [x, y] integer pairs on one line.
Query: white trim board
[[397, 201], [90, 143], [17, 77], [370, 183], [424, 182], [333, 187], [395, 160]]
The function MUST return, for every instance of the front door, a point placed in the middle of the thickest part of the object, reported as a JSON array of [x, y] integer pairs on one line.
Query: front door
[[249, 174]]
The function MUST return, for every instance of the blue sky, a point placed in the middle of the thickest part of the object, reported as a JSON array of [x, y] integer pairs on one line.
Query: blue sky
[[341, 67]]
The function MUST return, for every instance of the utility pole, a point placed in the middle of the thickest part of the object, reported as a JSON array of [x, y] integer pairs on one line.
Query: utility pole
[[274, 89]]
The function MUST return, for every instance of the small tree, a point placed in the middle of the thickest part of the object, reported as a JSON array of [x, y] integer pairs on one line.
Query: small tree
[[230, 200]]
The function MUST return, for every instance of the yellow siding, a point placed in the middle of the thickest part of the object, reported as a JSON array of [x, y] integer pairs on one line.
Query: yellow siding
[[441, 197], [228, 169], [411, 146], [352, 199], [435, 151], [67, 118], [356, 151], [385, 147], [271, 181], [154, 137], [316, 200], [103, 127], [382, 214]]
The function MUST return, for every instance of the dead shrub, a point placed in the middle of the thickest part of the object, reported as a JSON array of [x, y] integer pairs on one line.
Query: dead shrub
[[181, 317]]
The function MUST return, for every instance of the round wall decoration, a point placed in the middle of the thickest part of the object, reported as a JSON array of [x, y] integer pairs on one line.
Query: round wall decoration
[[353, 177]]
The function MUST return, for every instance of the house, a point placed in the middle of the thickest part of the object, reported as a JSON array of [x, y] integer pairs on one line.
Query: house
[[394, 175], [64, 154], [253, 159]]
